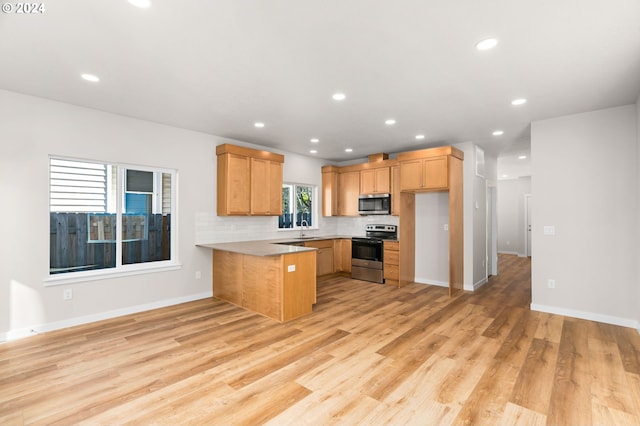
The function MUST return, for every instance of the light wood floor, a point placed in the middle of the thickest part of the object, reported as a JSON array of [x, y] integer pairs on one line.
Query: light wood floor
[[369, 354]]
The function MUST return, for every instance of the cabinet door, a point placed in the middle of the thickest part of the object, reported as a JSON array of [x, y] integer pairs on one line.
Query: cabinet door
[[367, 181], [411, 175], [324, 261], [259, 186], [346, 255], [330, 194], [349, 184], [266, 187], [234, 183], [435, 173], [382, 185], [275, 188], [395, 190], [374, 181]]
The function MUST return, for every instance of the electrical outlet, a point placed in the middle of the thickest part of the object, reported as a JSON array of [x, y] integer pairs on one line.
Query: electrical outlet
[[551, 283], [198, 275], [291, 268], [446, 226], [67, 294]]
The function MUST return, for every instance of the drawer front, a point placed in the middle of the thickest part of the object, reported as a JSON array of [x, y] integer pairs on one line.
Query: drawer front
[[391, 257], [391, 272], [392, 245], [319, 244]]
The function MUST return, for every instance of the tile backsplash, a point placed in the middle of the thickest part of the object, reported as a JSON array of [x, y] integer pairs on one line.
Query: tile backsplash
[[223, 229]]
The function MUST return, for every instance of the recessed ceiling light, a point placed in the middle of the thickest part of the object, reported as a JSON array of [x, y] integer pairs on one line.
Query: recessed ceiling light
[[348, 150], [390, 122], [315, 140], [520, 101], [339, 96], [522, 157], [90, 77], [141, 3], [419, 136], [313, 151], [258, 124], [487, 44], [504, 176], [498, 133]]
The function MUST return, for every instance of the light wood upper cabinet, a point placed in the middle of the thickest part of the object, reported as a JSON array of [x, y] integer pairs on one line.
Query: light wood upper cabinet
[[424, 174], [266, 187], [249, 182], [375, 181], [234, 184], [349, 184], [329, 191]]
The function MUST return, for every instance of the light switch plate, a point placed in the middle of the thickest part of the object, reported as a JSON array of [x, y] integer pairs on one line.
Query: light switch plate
[[291, 268], [549, 230]]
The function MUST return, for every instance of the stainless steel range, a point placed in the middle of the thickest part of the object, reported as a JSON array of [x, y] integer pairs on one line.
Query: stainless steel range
[[367, 252]]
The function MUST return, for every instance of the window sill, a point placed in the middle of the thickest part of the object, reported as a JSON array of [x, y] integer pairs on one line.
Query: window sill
[[102, 274]]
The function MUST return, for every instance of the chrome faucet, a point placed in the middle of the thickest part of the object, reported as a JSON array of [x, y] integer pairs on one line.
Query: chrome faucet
[[302, 225]]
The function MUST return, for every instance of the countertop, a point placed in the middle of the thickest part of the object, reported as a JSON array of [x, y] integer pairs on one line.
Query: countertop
[[271, 247]]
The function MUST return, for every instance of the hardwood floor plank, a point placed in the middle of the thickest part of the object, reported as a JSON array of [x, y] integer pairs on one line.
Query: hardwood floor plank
[[535, 381], [486, 403], [571, 394], [609, 382], [517, 415]]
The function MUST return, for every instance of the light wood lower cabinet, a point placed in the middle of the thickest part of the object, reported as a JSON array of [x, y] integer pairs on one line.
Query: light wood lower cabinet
[[324, 256], [342, 255], [264, 284], [391, 258]]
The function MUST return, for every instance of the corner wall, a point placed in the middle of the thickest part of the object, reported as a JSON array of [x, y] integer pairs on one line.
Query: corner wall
[[585, 184]]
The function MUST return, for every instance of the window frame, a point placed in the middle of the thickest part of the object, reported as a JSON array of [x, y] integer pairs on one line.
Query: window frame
[[121, 269], [314, 205]]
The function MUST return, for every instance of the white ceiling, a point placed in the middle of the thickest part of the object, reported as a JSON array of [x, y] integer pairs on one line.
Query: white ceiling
[[219, 66]]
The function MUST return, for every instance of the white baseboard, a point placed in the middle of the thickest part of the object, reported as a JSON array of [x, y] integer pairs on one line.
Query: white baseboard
[[509, 252], [446, 283], [624, 322], [477, 285], [431, 282], [42, 328]]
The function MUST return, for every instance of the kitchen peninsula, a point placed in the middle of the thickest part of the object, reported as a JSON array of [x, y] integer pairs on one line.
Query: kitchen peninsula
[[275, 280]]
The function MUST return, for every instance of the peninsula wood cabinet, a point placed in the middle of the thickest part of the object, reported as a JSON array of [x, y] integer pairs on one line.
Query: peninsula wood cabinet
[[249, 182]]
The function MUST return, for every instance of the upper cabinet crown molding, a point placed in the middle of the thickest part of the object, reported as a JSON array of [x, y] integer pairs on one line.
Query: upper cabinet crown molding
[[249, 152], [249, 182]]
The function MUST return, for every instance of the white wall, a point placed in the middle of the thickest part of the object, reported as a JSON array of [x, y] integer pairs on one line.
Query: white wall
[[432, 241], [585, 183], [638, 215], [510, 205], [31, 129]]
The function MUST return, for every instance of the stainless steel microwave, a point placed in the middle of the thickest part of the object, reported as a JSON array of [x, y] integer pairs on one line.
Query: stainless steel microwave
[[374, 204]]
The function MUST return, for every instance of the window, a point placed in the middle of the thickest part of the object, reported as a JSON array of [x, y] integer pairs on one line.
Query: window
[[298, 206], [109, 217]]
